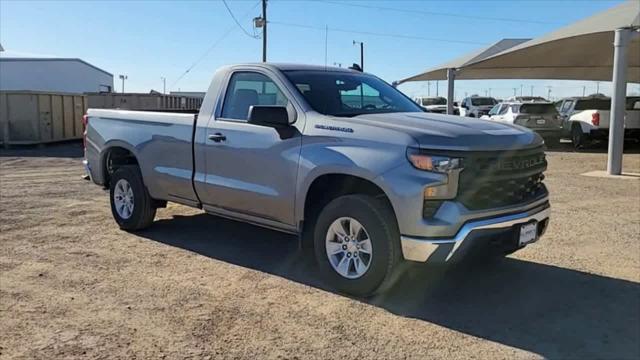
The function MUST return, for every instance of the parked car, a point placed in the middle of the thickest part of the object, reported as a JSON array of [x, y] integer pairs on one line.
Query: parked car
[[527, 99], [436, 105], [586, 119], [541, 117], [476, 106], [336, 156]]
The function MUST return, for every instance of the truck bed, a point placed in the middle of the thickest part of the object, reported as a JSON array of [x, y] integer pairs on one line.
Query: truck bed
[[162, 143]]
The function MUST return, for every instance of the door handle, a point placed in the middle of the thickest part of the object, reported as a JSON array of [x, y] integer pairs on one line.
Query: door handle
[[217, 137]]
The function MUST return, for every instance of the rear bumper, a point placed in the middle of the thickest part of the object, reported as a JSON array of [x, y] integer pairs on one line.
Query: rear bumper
[[441, 250], [548, 132]]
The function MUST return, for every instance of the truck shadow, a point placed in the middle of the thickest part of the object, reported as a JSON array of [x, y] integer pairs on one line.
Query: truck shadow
[[544, 309]]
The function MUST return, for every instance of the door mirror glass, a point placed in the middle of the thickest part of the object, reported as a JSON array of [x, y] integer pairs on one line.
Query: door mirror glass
[[272, 116]]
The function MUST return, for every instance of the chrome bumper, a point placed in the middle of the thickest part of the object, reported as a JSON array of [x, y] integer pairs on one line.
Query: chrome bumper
[[421, 249]]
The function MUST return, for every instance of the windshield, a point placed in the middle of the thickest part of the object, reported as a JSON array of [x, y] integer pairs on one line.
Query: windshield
[[482, 101], [535, 109], [340, 93], [593, 104], [434, 101]]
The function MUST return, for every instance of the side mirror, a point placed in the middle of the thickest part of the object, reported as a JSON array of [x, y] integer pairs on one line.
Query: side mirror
[[273, 116]]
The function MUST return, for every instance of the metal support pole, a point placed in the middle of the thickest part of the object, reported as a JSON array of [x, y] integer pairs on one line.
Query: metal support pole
[[264, 31], [616, 127], [362, 56], [451, 76]]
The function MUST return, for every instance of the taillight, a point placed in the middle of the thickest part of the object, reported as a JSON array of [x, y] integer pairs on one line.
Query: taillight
[[85, 122], [595, 119]]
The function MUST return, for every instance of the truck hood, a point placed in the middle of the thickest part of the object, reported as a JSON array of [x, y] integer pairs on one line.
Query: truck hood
[[450, 132]]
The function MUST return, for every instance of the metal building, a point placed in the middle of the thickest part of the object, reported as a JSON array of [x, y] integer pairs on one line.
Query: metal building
[[59, 75]]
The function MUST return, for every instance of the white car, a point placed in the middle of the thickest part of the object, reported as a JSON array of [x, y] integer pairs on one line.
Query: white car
[[476, 106], [541, 117], [435, 104], [586, 119]]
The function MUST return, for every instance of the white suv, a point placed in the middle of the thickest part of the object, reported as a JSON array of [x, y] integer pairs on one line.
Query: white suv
[[541, 117]]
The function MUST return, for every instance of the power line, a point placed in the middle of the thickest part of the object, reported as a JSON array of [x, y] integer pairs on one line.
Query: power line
[[215, 43], [400, 36], [422, 12], [238, 22]]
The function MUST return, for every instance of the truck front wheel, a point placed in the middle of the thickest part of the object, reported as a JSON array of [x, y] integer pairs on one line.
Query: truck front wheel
[[356, 243], [131, 205]]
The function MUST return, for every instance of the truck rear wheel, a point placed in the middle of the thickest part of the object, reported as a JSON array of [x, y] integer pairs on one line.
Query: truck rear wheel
[[357, 245], [131, 205], [578, 138]]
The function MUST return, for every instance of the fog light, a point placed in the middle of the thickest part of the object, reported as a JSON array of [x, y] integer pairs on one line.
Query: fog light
[[436, 192]]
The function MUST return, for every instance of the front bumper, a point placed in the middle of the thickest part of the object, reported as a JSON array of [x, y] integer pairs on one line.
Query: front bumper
[[439, 250]]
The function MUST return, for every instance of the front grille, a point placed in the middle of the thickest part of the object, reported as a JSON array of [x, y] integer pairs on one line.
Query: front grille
[[496, 179]]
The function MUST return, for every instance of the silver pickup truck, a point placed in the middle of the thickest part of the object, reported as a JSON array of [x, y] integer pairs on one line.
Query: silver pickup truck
[[337, 156]]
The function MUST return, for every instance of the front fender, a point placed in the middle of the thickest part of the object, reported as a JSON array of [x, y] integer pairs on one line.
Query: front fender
[[359, 160]]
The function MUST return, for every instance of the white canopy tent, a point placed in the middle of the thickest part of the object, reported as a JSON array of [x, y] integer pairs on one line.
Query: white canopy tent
[[443, 71], [580, 51]]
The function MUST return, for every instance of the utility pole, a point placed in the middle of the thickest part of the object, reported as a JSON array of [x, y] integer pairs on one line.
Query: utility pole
[[164, 84], [428, 88], [361, 53], [549, 92], [123, 78], [437, 89], [264, 30], [584, 90], [521, 89], [514, 91], [597, 87]]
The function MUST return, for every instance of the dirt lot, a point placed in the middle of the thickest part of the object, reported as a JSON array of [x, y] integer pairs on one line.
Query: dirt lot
[[195, 286]]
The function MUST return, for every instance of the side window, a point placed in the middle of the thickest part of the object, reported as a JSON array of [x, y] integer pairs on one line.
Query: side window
[[494, 110], [504, 109], [567, 106], [247, 89]]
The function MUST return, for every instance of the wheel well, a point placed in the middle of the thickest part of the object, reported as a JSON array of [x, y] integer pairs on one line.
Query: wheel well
[[328, 187], [115, 158]]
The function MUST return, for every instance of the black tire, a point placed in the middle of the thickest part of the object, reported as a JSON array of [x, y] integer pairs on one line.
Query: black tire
[[578, 138], [143, 209], [380, 224]]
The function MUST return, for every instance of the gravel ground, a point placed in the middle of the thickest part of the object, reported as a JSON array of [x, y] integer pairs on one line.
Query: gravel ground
[[195, 286]]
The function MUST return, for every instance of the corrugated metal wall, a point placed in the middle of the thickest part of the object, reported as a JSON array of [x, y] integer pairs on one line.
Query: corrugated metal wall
[[142, 101], [28, 117]]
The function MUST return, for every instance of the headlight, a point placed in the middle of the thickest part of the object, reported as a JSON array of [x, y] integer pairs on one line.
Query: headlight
[[437, 163]]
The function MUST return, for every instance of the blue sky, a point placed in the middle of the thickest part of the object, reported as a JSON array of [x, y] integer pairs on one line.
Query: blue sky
[[148, 40]]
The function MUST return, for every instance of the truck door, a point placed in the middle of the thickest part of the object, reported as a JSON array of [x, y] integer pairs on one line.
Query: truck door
[[251, 169]]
